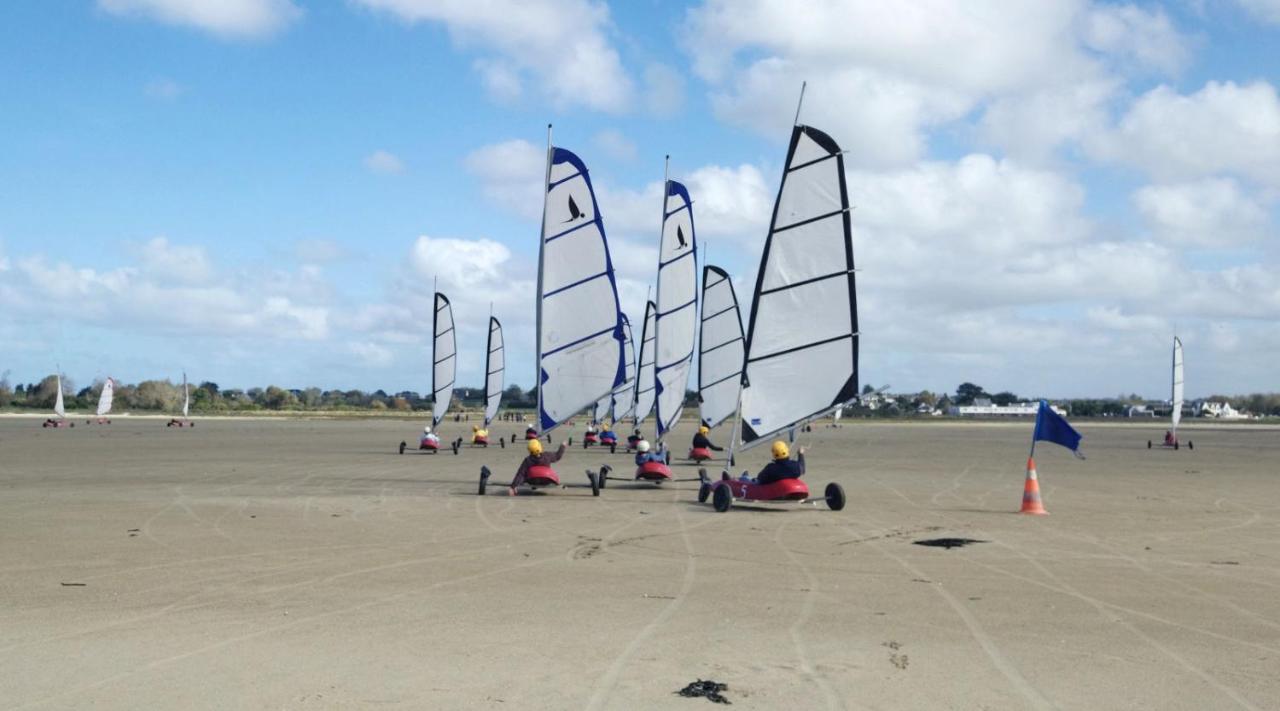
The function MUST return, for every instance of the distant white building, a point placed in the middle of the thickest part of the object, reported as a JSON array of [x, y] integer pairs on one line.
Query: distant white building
[[1219, 410], [983, 407], [1139, 411]]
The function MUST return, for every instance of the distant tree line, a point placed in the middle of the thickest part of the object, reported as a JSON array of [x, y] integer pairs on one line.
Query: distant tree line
[[208, 397]]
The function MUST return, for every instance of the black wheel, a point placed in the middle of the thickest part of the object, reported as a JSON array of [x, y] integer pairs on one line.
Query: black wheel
[[613, 448], [484, 479], [1148, 444], [704, 492], [1175, 446], [1191, 445], [604, 475], [595, 483], [455, 447], [502, 444], [402, 446], [835, 496], [193, 424], [722, 498], [667, 458]]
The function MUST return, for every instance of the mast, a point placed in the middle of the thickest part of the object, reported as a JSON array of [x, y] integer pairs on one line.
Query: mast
[[542, 248]]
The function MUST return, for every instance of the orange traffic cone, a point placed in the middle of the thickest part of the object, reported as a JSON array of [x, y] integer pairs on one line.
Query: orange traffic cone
[[1031, 492]]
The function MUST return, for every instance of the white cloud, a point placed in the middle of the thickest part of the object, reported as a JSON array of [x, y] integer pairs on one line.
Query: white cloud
[[663, 90], [1222, 128], [371, 355], [1265, 10], [511, 174], [384, 163], [171, 289], [1145, 39], [1213, 212], [882, 76], [319, 251], [227, 18], [562, 44], [174, 264], [612, 143], [164, 89], [501, 80]]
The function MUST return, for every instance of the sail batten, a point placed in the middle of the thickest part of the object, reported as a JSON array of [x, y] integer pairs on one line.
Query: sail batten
[[721, 348], [802, 338], [579, 326], [495, 366], [676, 325], [444, 358]]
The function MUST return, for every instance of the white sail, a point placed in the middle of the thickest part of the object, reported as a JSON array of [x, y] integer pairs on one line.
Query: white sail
[[443, 359], [644, 373], [677, 313], [104, 399], [186, 397], [802, 342], [624, 396], [579, 323], [600, 410], [59, 408], [495, 366], [1177, 383], [720, 348]]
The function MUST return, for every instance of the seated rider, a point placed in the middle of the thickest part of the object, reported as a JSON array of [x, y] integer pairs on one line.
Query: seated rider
[[1168, 437], [430, 437], [479, 434], [530, 433], [536, 458], [606, 433], [591, 428], [644, 456], [701, 441], [634, 438], [782, 466]]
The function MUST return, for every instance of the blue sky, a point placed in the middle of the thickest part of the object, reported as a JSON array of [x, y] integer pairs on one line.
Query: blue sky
[[262, 191]]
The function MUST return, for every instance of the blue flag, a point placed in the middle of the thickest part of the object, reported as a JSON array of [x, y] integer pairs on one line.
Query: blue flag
[[1052, 427]]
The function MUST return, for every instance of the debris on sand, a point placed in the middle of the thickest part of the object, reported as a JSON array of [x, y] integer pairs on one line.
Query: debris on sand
[[947, 543], [708, 689], [74, 585]]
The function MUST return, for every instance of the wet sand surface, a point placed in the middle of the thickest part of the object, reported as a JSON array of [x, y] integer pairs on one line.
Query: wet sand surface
[[306, 565]]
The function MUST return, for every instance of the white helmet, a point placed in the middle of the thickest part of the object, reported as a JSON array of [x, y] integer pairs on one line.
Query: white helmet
[[426, 430], [643, 446]]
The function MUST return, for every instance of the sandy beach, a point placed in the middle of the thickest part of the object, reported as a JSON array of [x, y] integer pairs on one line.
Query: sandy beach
[[306, 565]]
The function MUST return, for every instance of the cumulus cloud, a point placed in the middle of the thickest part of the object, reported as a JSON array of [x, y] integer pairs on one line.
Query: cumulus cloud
[[1265, 10], [169, 289], [511, 174], [384, 163], [882, 77], [1222, 128], [614, 144], [561, 44], [1139, 37], [663, 90], [1213, 212], [226, 18]]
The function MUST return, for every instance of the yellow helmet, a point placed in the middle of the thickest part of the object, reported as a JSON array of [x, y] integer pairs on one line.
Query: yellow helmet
[[780, 450], [475, 428], [704, 430], [535, 447]]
